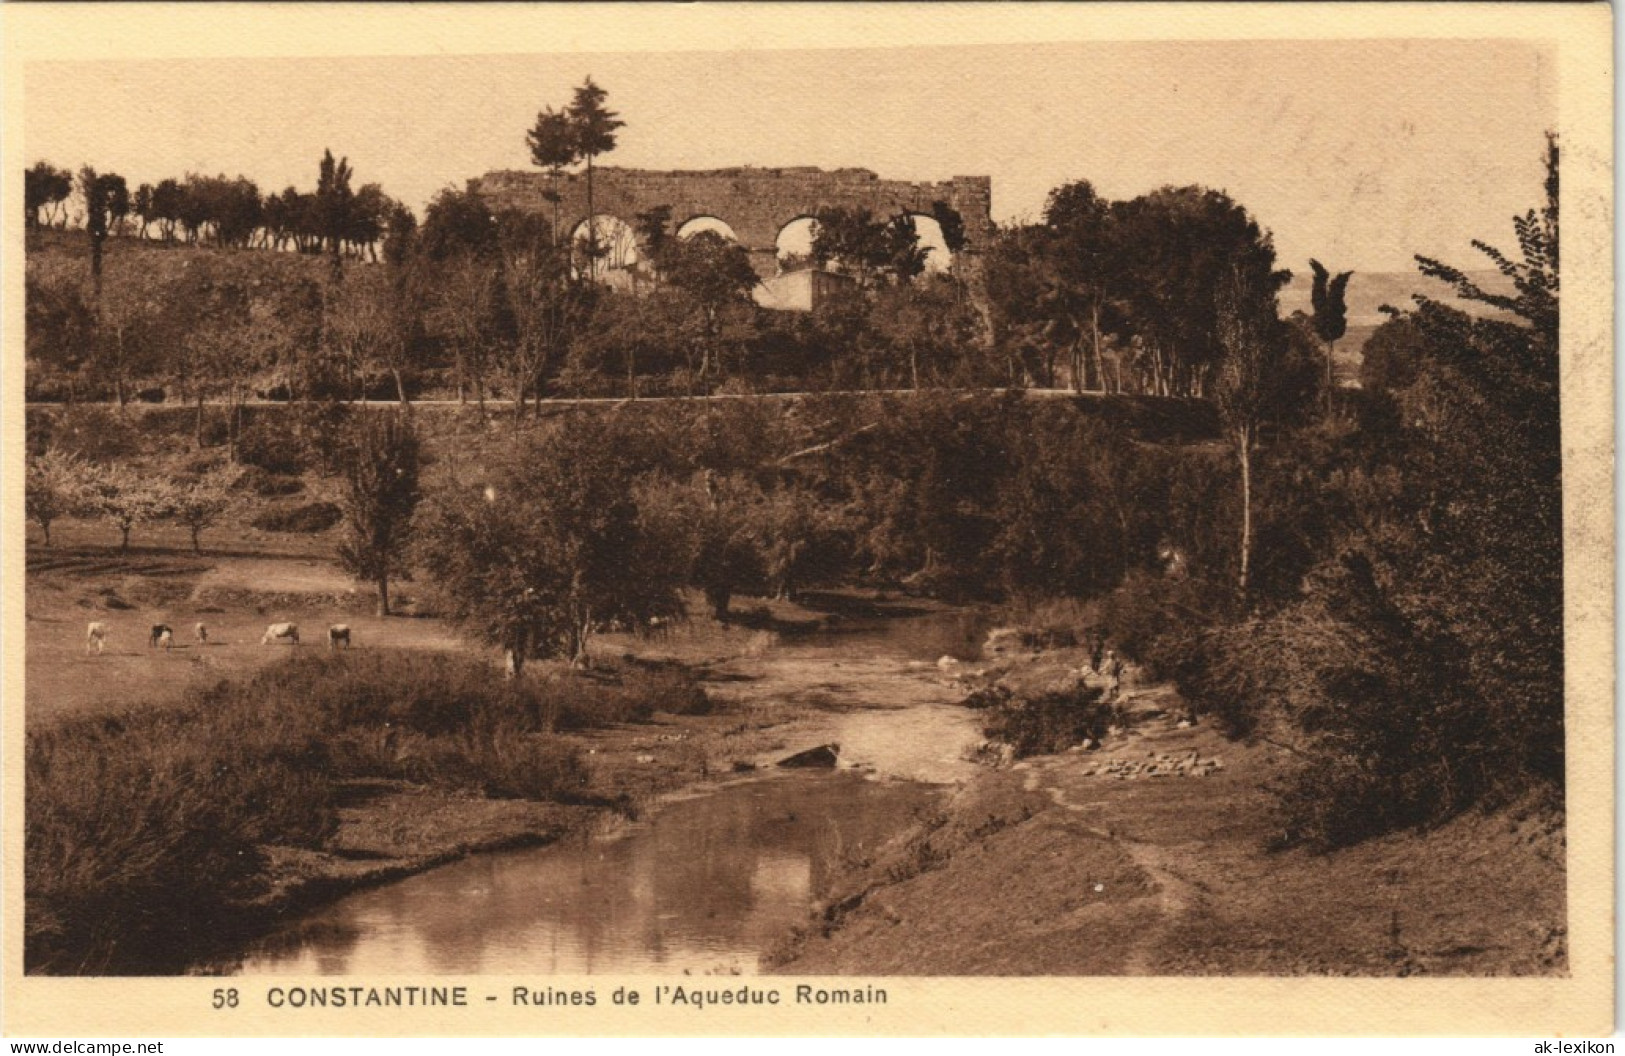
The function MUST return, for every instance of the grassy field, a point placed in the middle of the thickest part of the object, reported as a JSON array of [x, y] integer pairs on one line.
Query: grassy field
[[182, 800], [235, 591]]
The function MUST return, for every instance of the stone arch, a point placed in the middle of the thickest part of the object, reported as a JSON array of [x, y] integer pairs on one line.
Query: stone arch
[[929, 231], [706, 222], [794, 243], [618, 239]]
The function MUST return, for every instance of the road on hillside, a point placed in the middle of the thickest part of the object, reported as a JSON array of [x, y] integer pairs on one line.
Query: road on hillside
[[568, 401]]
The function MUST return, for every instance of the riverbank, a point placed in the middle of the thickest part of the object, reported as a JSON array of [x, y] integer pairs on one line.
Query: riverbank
[[1151, 856], [769, 677]]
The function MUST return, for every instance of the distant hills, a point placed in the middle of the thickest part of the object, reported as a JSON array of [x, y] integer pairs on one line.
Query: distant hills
[[1368, 291]]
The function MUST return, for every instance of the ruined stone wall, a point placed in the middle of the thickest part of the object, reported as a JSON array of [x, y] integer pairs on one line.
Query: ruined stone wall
[[756, 203]]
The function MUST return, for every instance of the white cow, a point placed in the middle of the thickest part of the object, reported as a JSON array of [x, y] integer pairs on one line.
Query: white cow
[[281, 632], [95, 635], [339, 632]]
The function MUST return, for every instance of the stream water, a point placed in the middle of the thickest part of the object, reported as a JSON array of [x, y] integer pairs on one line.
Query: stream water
[[705, 886]]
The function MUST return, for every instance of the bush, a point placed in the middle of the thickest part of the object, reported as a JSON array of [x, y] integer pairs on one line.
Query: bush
[[1155, 620], [144, 825], [1050, 722], [95, 434], [269, 446], [308, 519], [149, 827], [257, 481]]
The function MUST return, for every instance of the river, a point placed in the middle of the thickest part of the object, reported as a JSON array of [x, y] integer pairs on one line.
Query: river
[[706, 885]]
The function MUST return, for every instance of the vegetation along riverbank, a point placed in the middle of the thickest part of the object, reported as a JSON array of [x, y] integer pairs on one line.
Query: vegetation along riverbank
[[1276, 645]]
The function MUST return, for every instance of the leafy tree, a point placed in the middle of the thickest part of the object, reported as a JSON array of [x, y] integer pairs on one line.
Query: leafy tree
[[200, 503], [1245, 388], [1534, 277], [1331, 315], [55, 482], [1019, 284], [458, 223], [1181, 249], [124, 495], [544, 302], [400, 238], [634, 334], [369, 215], [1085, 263], [592, 128], [1391, 355], [468, 311], [553, 548], [129, 310], [554, 145], [107, 201], [45, 187], [335, 204], [237, 210], [791, 530], [855, 243], [717, 276], [707, 525], [60, 322], [167, 205], [656, 239], [193, 208], [141, 205], [381, 494], [928, 327]]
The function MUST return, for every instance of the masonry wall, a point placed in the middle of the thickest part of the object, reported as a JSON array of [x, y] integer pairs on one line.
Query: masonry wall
[[756, 203]]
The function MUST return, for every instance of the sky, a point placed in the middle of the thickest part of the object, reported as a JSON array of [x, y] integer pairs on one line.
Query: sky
[[1360, 153]]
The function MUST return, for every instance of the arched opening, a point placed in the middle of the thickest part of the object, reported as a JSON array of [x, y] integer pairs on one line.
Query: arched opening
[[617, 247], [929, 233], [707, 223], [794, 244]]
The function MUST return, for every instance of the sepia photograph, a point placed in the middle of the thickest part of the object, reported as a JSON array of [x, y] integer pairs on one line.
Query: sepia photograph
[[775, 519]]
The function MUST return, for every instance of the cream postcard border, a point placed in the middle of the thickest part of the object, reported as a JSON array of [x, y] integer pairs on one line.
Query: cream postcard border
[[1580, 1004]]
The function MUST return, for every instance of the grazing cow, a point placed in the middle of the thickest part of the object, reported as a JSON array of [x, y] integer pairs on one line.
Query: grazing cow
[[202, 633], [95, 634], [281, 632], [161, 635], [339, 632]]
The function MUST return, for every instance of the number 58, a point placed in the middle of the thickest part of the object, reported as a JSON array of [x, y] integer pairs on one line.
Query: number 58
[[225, 998]]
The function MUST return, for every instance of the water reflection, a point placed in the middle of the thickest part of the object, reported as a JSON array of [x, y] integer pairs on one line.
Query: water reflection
[[704, 887]]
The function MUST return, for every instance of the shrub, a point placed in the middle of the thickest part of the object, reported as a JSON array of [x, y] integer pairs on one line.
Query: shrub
[[1050, 722], [145, 831], [310, 518], [271, 447], [267, 485], [95, 434], [139, 826], [1155, 619]]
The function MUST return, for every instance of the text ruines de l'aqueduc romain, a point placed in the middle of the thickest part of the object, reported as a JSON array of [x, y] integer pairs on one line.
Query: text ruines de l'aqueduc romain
[[677, 994]]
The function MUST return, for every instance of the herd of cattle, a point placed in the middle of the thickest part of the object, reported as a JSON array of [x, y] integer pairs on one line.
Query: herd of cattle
[[162, 635]]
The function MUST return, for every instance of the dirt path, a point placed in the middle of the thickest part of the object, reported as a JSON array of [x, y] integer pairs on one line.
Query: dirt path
[[1150, 856]]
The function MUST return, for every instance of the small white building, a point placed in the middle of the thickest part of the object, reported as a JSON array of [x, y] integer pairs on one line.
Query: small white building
[[798, 291]]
